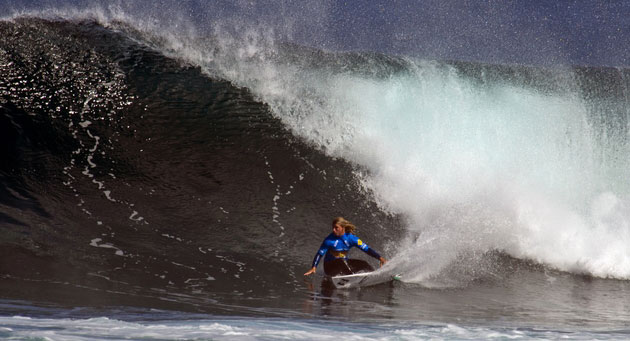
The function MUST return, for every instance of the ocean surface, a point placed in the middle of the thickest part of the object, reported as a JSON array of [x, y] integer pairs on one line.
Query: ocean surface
[[176, 184]]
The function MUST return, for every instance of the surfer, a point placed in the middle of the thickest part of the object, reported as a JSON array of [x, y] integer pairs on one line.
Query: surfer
[[336, 247]]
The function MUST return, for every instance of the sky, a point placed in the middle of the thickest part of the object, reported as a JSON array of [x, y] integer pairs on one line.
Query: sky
[[531, 32]]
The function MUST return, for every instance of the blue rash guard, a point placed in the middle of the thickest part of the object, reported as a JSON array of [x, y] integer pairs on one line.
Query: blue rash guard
[[337, 248]]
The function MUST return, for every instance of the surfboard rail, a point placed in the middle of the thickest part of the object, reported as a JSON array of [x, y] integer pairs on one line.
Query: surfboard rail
[[362, 279]]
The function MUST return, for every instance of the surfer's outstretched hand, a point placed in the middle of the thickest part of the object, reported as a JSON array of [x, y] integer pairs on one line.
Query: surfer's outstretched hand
[[311, 271], [382, 260]]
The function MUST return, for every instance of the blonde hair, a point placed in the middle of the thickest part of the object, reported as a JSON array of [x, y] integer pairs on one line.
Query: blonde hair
[[347, 226]]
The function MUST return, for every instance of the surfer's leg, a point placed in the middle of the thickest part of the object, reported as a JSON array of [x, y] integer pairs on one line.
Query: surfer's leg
[[337, 267]]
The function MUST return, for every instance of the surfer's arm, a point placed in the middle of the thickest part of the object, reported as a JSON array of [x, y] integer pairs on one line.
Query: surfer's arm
[[311, 271], [371, 252], [365, 248], [318, 257], [375, 254]]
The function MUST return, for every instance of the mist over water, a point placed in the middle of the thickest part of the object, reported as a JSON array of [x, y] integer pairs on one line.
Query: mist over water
[[568, 33]]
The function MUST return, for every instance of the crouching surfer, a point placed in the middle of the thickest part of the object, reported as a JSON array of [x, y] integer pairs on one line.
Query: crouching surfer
[[335, 249]]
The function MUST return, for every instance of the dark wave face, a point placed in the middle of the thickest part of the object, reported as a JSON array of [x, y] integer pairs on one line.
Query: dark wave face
[[128, 177], [149, 170]]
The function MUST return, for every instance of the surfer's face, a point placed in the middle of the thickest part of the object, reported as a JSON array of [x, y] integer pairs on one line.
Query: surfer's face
[[338, 230]]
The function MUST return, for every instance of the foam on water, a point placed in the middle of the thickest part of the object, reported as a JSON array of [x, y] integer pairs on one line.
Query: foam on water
[[16, 327]]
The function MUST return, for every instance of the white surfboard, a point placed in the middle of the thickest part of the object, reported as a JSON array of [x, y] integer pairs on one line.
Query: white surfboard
[[362, 279]]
